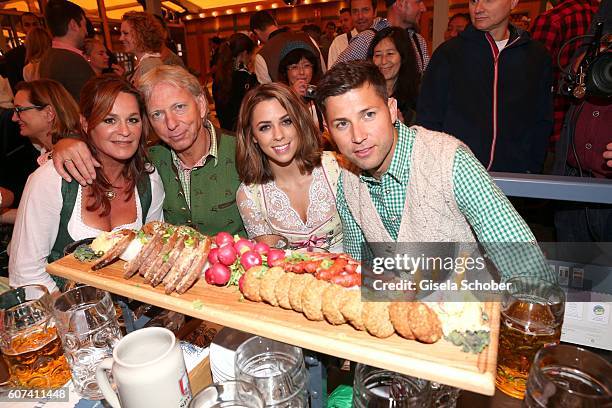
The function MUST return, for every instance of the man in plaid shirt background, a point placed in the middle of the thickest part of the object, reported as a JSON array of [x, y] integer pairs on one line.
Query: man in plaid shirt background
[[553, 28], [400, 13]]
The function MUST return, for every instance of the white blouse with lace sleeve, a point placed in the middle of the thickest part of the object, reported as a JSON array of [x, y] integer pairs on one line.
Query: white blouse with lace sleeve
[[38, 219], [254, 222]]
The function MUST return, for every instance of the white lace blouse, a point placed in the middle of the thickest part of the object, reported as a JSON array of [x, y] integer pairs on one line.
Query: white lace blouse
[[266, 210], [38, 219]]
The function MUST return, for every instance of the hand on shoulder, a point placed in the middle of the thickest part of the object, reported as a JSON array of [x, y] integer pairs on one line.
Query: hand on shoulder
[[72, 158]]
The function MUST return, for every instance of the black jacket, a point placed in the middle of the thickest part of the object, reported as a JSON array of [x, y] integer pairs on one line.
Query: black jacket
[[506, 124]]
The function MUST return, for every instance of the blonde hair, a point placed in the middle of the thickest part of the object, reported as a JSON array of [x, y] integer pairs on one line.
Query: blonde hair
[[170, 74], [37, 42]]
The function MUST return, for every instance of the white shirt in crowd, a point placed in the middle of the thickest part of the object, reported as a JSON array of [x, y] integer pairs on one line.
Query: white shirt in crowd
[[38, 219], [337, 46], [501, 44]]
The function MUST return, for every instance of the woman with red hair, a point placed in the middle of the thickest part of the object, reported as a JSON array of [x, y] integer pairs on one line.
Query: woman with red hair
[[142, 35], [126, 193]]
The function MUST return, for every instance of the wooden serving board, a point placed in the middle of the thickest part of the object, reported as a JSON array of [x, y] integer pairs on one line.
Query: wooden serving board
[[442, 362]]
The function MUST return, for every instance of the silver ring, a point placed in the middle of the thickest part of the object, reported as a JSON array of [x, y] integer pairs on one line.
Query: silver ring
[[67, 160]]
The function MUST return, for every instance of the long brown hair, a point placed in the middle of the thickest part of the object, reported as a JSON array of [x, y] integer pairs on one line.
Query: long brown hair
[[252, 164], [97, 99], [226, 64], [47, 92]]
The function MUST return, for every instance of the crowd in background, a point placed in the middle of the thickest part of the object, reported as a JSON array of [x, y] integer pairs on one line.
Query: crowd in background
[[491, 85]]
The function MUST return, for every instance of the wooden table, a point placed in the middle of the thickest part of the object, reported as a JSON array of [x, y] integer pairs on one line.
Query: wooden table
[[441, 361]]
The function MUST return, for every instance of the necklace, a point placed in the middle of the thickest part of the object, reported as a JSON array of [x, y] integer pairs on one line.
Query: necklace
[[110, 194]]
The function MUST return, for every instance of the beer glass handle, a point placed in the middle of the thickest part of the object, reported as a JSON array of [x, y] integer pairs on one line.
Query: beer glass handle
[[105, 387]]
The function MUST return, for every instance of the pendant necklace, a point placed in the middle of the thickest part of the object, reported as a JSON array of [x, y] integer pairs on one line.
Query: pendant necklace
[[111, 194]]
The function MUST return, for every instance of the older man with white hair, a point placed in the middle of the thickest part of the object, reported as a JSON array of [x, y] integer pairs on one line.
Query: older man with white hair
[[195, 160]]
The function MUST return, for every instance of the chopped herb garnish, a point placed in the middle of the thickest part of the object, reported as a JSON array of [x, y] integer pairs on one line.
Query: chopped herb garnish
[[470, 341], [84, 253], [142, 237], [326, 263], [197, 304], [297, 257], [236, 270]]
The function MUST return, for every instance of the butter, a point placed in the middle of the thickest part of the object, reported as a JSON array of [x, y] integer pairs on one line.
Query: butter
[[460, 316], [104, 242]]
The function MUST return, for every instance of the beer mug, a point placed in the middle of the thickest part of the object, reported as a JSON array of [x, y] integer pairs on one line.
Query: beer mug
[[531, 318], [276, 369], [148, 370], [228, 394], [88, 326], [29, 339], [376, 388], [568, 376]]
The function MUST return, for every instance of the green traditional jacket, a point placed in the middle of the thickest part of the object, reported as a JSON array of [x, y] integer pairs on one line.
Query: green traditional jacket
[[213, 190]]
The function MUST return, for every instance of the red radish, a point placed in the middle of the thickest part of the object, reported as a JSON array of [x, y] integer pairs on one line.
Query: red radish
[[250, 259], [227, 255], [212, 256], [262, 248], [218, 274], [275, 256], [224, 238], [243, 245]]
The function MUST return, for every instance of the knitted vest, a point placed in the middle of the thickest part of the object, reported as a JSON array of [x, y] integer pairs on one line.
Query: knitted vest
[[271, 50], [213, 190], [430, 210]]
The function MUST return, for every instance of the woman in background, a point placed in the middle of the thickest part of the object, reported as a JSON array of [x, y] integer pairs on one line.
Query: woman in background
[[142, 35], [126, 193], [37, 42], [97, 56], [233, 78], [45, 112], [299, 67], [288, 185], [456, 25], [392, 52]]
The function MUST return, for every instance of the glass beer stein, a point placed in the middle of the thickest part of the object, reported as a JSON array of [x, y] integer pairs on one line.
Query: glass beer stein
[[29, 340], [87, 323], [531, 318]]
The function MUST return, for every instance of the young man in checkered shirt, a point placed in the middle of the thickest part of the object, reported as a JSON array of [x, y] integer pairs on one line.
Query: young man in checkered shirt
[[411, 184]]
